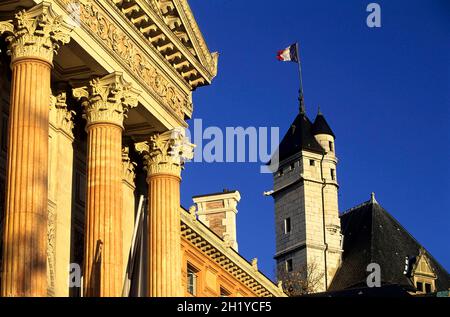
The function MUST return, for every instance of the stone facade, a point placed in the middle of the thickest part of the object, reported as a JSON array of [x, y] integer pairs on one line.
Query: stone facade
[[308, 236], [87, 87]]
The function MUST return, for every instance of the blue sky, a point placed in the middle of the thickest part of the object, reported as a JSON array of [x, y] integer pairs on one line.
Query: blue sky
[[385, 92]]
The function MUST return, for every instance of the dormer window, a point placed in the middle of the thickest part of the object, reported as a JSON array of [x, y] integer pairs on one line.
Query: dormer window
[[423, 275]]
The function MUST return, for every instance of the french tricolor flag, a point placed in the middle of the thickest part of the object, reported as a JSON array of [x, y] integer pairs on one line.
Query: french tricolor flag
[[289, 54]]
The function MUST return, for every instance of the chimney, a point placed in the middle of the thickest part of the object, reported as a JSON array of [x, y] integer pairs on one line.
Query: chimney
[[218, 212]]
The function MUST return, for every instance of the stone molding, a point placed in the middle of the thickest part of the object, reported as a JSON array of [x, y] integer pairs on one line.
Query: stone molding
[[213, 247], [107, 99], [36, 33], [165, 153], [120, 44]]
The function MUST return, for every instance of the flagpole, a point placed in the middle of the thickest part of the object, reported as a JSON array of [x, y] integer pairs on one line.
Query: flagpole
[[300, 97]]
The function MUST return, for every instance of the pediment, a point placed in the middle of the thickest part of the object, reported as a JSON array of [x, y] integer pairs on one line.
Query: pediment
[[171, 28], [422, 266]]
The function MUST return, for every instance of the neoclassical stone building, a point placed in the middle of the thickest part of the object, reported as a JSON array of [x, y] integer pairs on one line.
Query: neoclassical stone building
[[94, 98]]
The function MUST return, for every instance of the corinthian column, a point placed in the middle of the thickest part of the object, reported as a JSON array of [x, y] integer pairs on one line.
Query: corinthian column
[[164, 155], [34, 37], [106, 101]]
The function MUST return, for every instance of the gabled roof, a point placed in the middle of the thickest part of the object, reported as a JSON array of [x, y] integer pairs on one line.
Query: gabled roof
[[171, 29], [198, 41], [372, 235], [178, 16], [321, 126], [299, 137]]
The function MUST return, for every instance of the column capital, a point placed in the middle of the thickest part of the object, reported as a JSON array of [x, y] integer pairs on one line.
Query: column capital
[[61, 117], [165, 153], [128, 167], [107, 99], [36, 33]]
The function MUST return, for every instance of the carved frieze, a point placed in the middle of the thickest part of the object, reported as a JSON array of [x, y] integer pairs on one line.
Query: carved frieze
[[119, 42]]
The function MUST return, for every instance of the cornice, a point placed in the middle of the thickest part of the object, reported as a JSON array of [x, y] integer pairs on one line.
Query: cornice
[[100, 21], [212, 246], [166, 33], [204, 54]]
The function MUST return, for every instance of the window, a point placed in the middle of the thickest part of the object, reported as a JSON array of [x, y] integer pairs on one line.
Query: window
[[287, 225], [280, 173], [333, 174], [191, 280], [330, 143], [224, 292], [427, 288], [292, 166], [289, 266], [312, 163], [419, 286]]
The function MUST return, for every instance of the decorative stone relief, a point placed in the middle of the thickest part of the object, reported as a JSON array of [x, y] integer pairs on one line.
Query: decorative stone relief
[[128, 167], [60, 116], [51, 251], [120, 43], [166, 152], [37, 32], [107, 99]]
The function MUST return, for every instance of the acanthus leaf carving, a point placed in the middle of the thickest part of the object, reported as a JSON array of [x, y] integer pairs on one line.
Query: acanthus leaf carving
[[107, 99], [37, 33], [166, 153], [134, 58], [61, 117], [128, 167]]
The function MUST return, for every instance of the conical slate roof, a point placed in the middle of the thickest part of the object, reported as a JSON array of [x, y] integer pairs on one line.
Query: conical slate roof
[[299, 137], [321, 126]]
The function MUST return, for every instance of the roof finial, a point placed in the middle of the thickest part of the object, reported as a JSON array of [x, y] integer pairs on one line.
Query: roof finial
[[372, 198], [319, 113]]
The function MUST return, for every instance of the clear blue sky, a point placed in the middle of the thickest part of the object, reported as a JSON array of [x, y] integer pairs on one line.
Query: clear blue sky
[[385, 93]]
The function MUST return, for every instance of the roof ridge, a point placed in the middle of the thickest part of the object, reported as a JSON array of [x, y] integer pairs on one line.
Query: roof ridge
[[356, 207]]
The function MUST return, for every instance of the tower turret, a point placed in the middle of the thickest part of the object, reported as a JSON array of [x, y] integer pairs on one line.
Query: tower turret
[[308, 235]]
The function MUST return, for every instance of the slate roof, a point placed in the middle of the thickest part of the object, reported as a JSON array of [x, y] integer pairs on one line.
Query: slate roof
[[372, 235], [321, 126], [299, 137]]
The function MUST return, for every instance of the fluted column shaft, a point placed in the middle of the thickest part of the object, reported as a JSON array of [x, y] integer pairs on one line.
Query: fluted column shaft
[[103, 236], [106, 101], [25, 234], [164, 155], [164, 236], [34, 36]]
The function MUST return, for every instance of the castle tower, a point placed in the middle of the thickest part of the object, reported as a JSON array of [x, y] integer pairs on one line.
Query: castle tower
[[308, 232]]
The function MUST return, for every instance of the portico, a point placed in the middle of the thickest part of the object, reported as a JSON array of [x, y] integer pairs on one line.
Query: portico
[[92, 84]]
